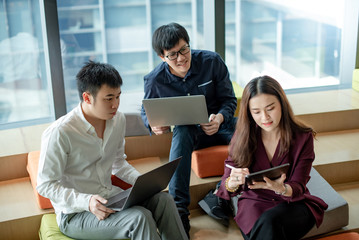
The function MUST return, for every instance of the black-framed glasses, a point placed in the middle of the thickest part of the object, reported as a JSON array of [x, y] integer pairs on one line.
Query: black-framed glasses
[[174, 55]]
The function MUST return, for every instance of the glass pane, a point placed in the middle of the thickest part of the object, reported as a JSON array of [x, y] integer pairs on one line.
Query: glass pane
[[127, 39], [295, 44], [23, 85], [198, 42], [71, 3], [230, 38], [132, 69], [81, 39], [120, 33], [187, 13]]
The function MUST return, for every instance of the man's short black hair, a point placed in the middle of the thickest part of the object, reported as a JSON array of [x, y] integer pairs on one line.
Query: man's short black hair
[[167, 36], [93, 75]]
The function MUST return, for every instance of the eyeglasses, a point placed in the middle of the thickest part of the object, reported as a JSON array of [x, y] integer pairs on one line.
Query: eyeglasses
[[174, 55]]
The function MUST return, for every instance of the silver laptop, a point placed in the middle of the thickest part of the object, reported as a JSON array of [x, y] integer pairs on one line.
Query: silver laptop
[[169, 111], [146, 186]]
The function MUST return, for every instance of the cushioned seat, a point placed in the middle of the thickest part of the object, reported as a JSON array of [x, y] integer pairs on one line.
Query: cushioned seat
[[337, 214], [49, 229], [209, 162]]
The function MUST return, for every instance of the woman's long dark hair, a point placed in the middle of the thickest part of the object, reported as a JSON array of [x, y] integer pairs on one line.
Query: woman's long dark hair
[[244, 141]]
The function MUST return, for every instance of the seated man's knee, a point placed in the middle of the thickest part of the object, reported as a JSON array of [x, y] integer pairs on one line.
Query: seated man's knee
[[163, 200], [141, 214], [163, 197]]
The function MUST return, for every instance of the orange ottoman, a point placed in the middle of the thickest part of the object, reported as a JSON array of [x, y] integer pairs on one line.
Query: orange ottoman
[[209, 162], [342, 236]]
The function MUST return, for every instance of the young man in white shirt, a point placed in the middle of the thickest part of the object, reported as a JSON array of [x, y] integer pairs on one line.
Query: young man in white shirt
[[79, 153]]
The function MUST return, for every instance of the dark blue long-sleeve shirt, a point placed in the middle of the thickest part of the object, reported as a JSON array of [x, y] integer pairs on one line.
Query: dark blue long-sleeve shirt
[[208, 76]]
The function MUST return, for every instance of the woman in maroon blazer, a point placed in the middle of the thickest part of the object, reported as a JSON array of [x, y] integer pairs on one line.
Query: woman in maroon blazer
[[268, 135]]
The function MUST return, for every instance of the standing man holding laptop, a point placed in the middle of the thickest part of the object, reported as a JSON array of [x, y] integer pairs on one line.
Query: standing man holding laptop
[[186, 72]]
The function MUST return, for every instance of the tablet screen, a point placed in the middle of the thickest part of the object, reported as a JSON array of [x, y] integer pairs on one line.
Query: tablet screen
[[271, 173]]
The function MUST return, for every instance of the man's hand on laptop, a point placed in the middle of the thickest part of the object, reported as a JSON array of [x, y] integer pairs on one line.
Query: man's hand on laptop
[[98, 209], [215, 120], [160, 130]]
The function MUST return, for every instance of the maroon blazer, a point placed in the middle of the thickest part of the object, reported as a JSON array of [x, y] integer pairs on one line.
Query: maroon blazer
[[253, 203]]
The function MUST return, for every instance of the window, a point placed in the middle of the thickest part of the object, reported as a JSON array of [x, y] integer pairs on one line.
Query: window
[[107, 31], [24, 94], [300, 48], [298, 45]]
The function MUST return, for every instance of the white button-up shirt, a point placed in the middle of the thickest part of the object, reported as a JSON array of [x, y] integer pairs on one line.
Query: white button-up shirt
[[76, 164]]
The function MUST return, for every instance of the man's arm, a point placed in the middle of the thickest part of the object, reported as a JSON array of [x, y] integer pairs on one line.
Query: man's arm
[[96, 206], [224, 90], [144, 118], [222, 102], [156, 130], [121, 168], [149, 93], [215, 121], [52, 163]]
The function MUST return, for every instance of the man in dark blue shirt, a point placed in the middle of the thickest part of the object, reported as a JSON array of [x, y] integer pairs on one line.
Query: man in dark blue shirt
[[185, 72]]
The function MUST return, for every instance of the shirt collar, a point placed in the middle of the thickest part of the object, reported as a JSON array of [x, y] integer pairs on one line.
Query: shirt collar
[[88, 127], [85, 124], [194, 63]]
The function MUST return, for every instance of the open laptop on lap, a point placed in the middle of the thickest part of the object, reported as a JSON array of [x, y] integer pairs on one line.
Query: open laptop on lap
[[181, 110], [146, 186]]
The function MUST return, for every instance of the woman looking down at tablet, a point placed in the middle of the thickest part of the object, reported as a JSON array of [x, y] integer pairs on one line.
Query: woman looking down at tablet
[[268, 135]]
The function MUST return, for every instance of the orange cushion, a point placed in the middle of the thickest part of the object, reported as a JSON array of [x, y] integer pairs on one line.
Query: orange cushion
[[32, 168], [209, 162], [342, 236]]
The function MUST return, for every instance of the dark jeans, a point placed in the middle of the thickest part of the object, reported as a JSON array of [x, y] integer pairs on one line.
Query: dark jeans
[[286, 221], [186, 139]]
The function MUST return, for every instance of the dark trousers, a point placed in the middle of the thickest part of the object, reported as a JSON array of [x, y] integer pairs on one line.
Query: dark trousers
[[286, 221], [185, 139]]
